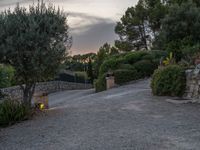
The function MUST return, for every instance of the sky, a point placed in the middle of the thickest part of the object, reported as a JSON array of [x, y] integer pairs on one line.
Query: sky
[[91, 22]]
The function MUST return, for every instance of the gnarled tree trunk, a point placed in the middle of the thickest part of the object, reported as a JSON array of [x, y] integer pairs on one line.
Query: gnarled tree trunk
[[28, 91]]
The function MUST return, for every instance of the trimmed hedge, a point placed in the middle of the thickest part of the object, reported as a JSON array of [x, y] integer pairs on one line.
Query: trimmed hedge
[[126, 67], [111, 64], [158, 54], [100, 83], [142, 63], [133, 57], [130, 58], [145, 68], [123, 76], [169, 81]]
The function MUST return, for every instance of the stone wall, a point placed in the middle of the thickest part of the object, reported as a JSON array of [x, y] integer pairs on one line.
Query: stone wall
[[48, 87], [193, 84]]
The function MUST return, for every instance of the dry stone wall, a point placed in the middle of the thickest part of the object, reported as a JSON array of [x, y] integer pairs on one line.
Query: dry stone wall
[[48, 87], [193, 84]]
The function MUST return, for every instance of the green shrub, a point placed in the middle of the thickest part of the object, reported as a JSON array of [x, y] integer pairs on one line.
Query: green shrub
[[100, 83], [169, 81], [156, 62], [126, 66], [12, 112], [129, 66], [156, 54], [124, 76], [133, 57], [6, 76], [110, 64], [145, 68], [148, 57]]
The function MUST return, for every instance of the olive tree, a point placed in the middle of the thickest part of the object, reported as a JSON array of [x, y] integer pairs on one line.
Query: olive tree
[[35, 42]]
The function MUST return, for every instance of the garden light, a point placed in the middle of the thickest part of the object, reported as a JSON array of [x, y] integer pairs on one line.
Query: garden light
[[41, 101]]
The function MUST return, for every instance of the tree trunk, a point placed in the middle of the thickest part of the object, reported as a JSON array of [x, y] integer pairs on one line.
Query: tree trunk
[[28, 91], [144, 36]]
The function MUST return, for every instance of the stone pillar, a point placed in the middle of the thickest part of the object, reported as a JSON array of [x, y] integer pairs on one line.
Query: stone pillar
[[110, 82]]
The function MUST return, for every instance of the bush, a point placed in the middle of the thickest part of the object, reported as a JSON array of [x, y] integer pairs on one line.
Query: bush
[[124, 76], [133, 57], [145, 68], [129, 66], [100, 84], [169, 81], [12, 112], [6, 76], [148, 57], [126, 67], [110, 64], [158, 54]]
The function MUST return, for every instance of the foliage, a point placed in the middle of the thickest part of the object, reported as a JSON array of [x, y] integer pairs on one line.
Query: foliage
[[148, 57], [179, 2], [101, 56], [156, 11], [169, 60], [169, 81], [190, 53], [100, 84], [131, 29], [139, 23], [110, 65], [104, 51], [90, 71], [133, 57], [142, 63], [6, 76], [157, 54], [124, 75], [145, 68], [180, 28], [12, 112], [35, 43], [126, 67]]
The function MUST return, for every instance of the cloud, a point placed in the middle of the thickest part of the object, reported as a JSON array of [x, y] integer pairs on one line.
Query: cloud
[[5, 4], [81, 22], [91, 22], [90, 32]]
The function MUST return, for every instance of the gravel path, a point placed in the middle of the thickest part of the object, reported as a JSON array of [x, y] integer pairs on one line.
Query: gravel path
[[124, 118]]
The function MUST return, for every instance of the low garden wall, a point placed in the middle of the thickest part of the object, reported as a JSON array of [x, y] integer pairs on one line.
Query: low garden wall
[[49, 87], [193, 84]]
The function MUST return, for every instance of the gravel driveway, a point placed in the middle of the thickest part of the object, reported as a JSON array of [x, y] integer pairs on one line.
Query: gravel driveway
[[124, 118]]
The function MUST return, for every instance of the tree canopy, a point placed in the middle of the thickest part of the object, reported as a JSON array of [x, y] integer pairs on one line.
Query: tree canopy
[[34, 41], [180, 28], [139, 24]]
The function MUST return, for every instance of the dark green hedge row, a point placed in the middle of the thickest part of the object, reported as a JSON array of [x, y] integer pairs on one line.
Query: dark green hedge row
[[100, 83], [129, 67], [169, 81], [123, 76], [131, 58]]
